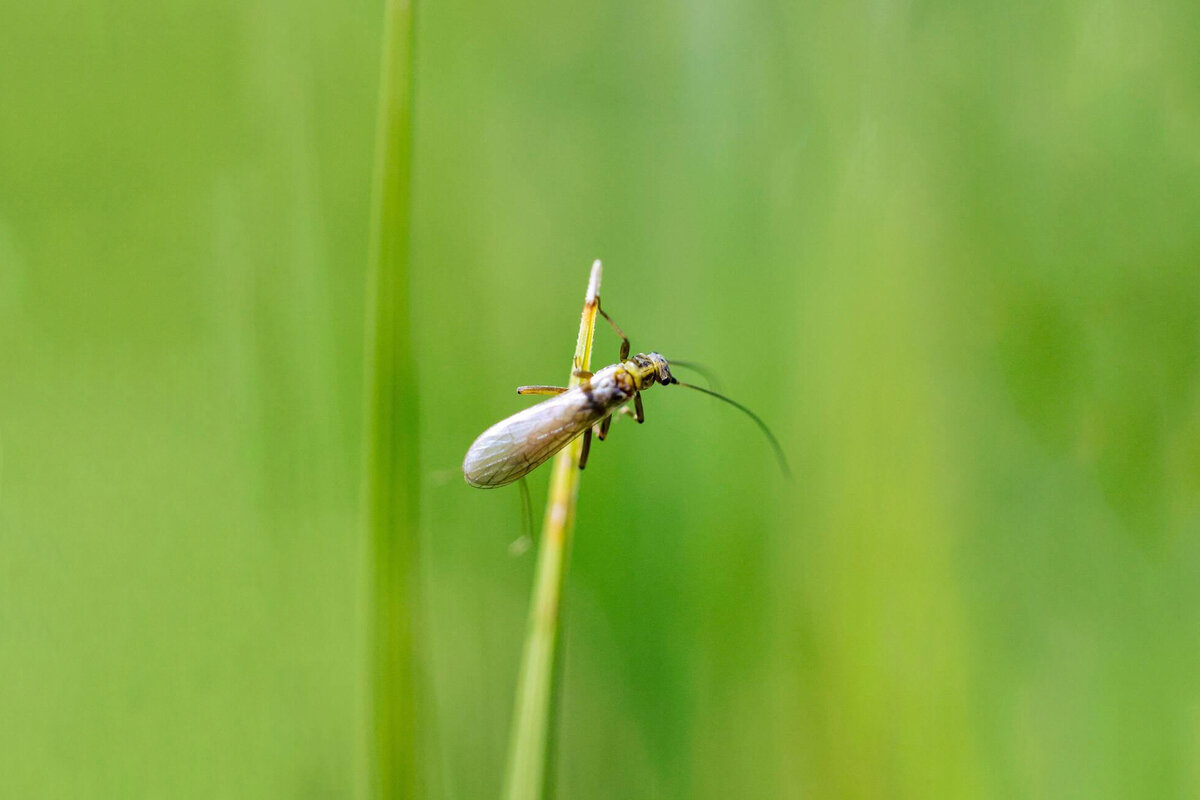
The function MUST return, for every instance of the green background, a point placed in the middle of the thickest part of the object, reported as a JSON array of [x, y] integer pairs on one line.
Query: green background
[[950, 251]]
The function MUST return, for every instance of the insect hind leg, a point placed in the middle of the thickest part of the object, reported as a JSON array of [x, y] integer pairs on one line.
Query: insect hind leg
[[602, 428], [587, 444]]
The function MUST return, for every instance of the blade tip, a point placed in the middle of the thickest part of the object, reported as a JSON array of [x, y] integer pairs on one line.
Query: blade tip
[[593, 290]]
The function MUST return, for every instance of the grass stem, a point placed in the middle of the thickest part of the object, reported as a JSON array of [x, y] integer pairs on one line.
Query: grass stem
[[390, 494], [528, 772]]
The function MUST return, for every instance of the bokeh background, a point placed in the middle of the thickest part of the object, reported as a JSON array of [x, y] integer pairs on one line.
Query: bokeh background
[[950, 251]]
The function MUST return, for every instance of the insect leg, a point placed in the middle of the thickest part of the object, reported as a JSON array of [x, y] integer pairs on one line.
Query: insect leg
[[587, 443], [582, 374], [621, 333], [540, 389], [603, 428], [636, 416]]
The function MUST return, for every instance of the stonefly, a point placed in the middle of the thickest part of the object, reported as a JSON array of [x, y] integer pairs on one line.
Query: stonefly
[[514, 447]]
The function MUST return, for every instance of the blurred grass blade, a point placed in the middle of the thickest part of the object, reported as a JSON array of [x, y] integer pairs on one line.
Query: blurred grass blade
[[529, 772], [390, 429]]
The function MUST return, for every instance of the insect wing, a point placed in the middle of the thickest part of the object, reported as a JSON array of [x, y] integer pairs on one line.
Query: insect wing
[[515, 446]]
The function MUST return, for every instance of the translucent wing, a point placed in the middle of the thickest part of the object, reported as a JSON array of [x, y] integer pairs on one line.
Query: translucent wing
[[515, 446]]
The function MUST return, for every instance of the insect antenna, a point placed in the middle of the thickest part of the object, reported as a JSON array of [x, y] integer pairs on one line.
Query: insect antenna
[[527, 508], [522, 544], [762, 426], [700, 369]]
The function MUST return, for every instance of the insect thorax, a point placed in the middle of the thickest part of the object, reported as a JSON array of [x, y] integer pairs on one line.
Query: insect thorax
[[614, 385], [646, 369]]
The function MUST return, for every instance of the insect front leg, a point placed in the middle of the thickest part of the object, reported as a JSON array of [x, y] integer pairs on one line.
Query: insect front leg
[[621, 333], [539, 389], [638, 415]]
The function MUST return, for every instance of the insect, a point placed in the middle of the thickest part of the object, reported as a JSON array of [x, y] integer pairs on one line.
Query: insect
[[514, 447]]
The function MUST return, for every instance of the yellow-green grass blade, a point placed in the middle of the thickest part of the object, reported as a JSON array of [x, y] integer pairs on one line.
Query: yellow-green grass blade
[[390, 500], [528, 773]]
